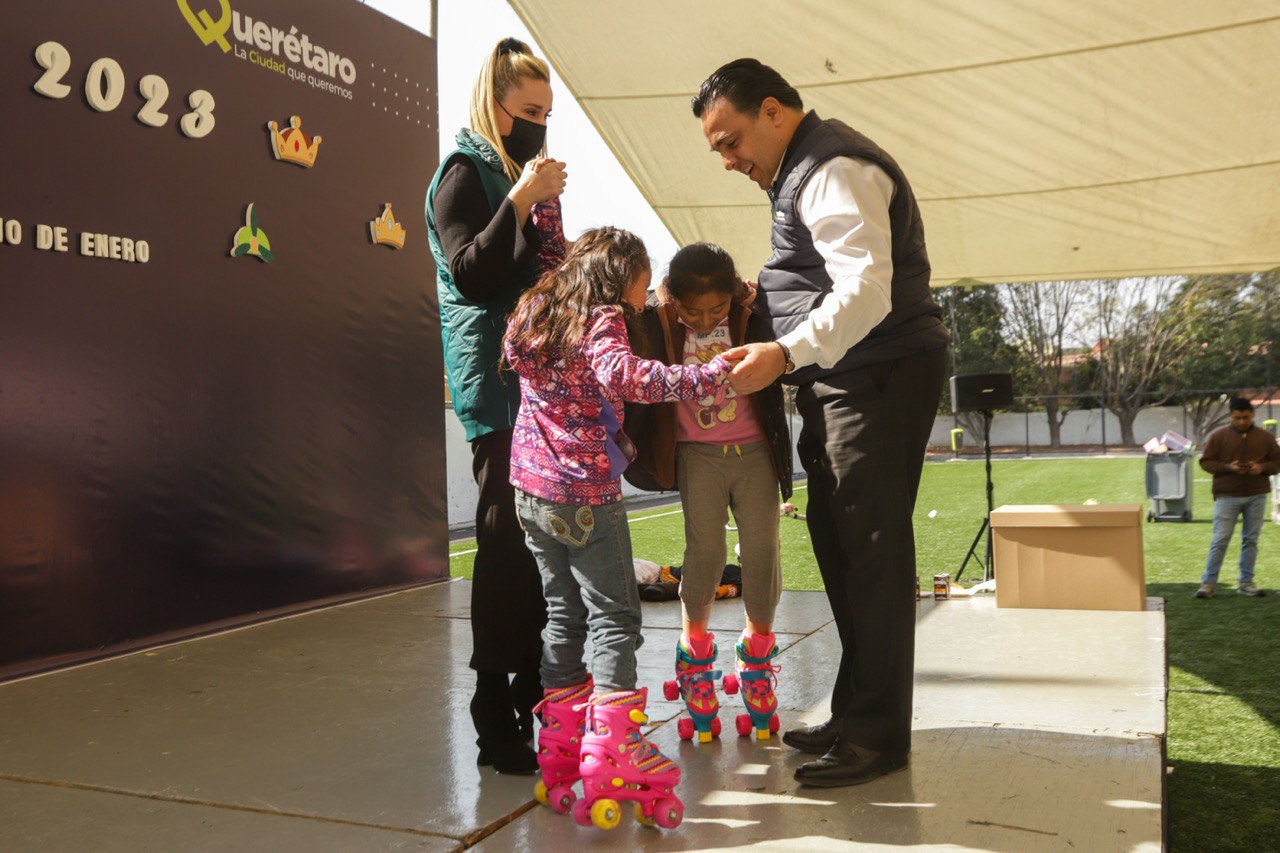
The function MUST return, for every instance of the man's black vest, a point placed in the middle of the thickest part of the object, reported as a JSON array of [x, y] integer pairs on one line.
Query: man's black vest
[[794, 279]]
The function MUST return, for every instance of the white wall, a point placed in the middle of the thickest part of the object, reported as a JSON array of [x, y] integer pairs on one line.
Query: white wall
[[1080, 427], [462, 488]]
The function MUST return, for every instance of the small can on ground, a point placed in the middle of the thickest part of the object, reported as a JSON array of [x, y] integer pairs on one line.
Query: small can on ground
[[942, 585]]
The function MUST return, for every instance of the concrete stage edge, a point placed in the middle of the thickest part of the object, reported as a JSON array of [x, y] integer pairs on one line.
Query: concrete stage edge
[[347, 729]]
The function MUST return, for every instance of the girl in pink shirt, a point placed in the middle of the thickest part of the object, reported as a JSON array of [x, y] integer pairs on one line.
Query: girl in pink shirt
[[723, 452]]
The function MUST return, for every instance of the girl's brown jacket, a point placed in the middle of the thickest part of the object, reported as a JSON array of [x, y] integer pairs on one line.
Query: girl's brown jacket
[[653, 427]]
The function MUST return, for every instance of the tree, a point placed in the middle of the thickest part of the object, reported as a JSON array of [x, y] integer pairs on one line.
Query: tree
[[1139, 341], [975, 317], [1220, 347], [1040, 319], [1263, 306]]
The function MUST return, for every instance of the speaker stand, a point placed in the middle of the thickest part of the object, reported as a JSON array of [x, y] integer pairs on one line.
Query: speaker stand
[[988, 570]]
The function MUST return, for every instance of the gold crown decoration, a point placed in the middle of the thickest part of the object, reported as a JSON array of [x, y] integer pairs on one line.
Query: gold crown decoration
[[292, 145], [386, 230]]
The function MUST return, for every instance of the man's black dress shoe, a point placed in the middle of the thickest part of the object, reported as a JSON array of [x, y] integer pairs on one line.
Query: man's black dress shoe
[[814, 739], [847, 764]]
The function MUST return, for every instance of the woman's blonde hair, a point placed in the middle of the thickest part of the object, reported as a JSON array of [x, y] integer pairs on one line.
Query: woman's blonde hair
[[510, 63]]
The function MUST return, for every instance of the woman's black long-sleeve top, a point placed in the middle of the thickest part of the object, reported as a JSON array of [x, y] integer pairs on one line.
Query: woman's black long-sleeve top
[[484, 248]]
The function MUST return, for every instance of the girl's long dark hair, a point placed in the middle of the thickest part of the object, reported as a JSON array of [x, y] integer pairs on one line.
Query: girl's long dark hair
[[551, 317], [702, 268]]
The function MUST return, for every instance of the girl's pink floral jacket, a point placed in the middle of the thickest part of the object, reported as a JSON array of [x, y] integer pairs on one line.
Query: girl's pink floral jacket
[[568, 445]]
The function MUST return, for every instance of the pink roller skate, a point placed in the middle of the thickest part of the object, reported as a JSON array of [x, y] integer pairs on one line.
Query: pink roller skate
[[756, 675], [695, 682], [618, 764], [560, 743]]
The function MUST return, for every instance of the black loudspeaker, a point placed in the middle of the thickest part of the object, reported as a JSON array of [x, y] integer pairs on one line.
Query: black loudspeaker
[[973, 392]]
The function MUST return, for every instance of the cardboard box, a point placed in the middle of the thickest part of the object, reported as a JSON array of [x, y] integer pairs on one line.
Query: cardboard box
[[1069, 557]]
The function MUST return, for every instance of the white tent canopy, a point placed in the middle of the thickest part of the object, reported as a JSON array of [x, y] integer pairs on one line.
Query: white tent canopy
[[1044, 140]]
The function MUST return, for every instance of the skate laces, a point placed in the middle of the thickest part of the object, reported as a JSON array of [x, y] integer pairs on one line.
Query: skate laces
[[761, 690], [691, 678], [609, 700], [564, 696], [646, 757]]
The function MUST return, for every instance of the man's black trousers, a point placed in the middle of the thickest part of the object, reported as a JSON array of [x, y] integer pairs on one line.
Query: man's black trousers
[[863, 444]]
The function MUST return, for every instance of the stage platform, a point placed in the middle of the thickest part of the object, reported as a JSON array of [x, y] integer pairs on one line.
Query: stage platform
[[347, 729]]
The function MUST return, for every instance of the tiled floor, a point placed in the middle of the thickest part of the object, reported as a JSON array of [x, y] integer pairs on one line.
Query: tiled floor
[[347, 729]]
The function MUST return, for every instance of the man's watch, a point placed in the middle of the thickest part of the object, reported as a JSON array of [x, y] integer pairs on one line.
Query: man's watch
[[790, 365]]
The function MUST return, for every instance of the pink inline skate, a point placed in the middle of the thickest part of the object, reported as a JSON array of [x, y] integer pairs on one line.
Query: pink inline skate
[[561, 712], [618, 764], [695, 683], [757, 676]]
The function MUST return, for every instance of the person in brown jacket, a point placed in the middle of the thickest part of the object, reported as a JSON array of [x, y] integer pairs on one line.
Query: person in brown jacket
[[722, 452], [1240, 457]]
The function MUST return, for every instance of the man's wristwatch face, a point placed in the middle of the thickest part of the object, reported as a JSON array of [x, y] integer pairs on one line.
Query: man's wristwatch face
[[788, 365]]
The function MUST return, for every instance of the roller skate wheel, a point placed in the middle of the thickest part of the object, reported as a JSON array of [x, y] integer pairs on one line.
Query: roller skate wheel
[[773, 724], [605, 814], [580, 816], [743, 724], [671, 690], [715, 726], [730, 684], [642, 817], [685, 727], [540, 792], [561, 799], [668, 813]]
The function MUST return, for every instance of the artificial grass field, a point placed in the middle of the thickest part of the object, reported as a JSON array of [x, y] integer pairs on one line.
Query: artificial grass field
[[1224, 653]]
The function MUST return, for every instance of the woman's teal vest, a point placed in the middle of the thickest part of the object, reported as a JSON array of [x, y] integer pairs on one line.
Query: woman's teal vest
[[484, 399]]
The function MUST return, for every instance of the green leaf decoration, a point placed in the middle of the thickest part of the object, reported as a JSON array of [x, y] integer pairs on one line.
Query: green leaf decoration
[[239, 250], [253, 220], [266, 254]]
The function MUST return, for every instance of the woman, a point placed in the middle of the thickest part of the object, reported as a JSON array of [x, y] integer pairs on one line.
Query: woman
[[486, 243]]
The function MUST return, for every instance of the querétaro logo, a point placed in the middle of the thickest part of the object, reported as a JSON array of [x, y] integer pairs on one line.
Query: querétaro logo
[[289, 44], [206, 27]]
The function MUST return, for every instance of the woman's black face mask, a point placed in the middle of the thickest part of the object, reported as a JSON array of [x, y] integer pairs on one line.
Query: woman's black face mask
[[525, 140]]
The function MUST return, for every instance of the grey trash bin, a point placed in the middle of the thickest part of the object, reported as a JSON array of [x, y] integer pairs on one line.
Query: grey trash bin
[[1169, 486]]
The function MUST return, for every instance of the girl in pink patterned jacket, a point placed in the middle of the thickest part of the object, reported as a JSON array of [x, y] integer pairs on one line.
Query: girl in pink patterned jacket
[[568, 341]]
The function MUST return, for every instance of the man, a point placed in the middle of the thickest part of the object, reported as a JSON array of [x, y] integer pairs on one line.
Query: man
[[1240, 457], [847, 294]]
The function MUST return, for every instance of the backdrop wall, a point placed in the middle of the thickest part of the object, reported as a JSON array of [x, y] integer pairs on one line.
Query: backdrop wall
[[219, 378]]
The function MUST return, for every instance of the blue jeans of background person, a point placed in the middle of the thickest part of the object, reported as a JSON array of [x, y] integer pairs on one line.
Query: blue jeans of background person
[[1225, 510], [589, 581]]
